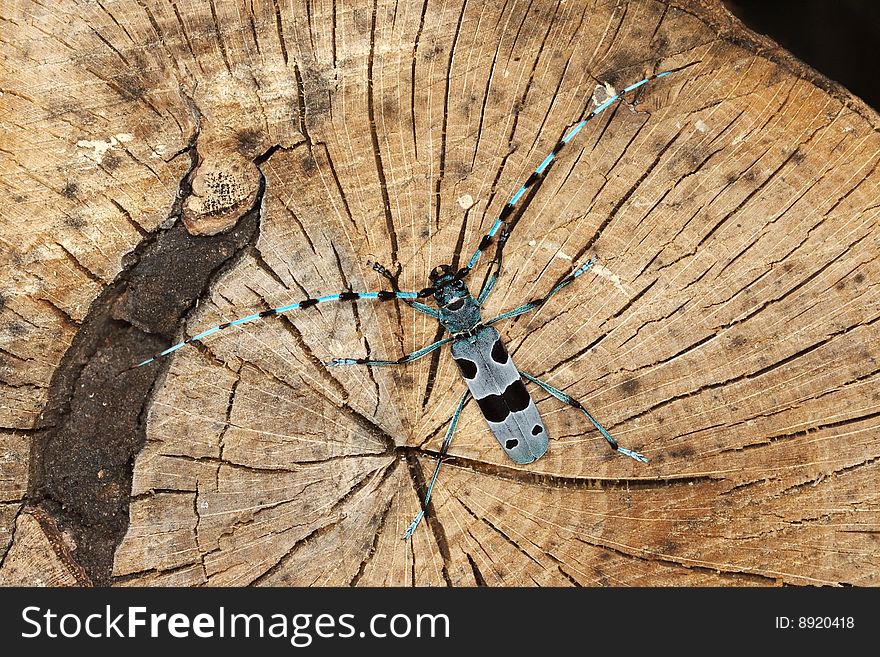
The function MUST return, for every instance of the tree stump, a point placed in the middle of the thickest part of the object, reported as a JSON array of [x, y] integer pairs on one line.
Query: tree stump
[[173, 166]]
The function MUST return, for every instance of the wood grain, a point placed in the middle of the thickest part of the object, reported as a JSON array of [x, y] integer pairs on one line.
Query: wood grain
[[729, 331]]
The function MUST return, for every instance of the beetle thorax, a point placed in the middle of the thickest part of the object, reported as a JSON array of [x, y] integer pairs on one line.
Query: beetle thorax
[[459, 311]]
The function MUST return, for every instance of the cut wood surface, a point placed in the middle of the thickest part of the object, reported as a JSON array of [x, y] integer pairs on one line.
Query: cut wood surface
[[169, 167]]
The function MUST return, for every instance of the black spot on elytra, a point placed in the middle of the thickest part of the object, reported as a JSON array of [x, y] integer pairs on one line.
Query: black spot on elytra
[[468, 367], [738, 341], [797, 157], [493, 408], [496, 408], [511, 443], [731, 178], [516, 396], [70, 189], [424, 233], [499, 353], [537, 430], [630, 386], [859, 278]]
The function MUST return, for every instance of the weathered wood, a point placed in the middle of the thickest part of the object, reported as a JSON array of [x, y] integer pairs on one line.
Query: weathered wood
[[14, 460], [40, 555], [729, 332]]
